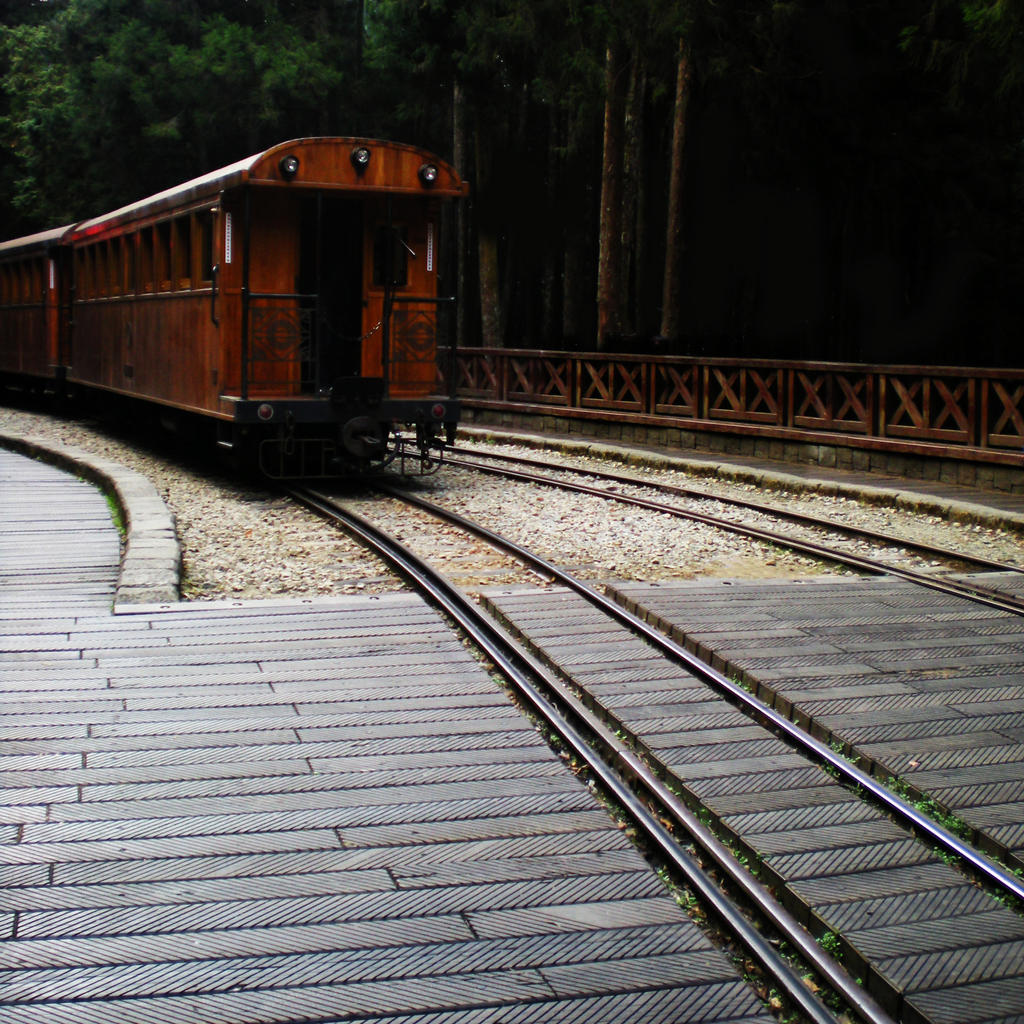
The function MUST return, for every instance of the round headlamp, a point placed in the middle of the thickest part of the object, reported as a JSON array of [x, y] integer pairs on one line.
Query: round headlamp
[[360, 157], [288, 166]]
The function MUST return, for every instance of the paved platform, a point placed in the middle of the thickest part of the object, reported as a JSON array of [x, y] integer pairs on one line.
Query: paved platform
[[912, 676], [150, 567], [928, 687], [295, 811], [57, 542]]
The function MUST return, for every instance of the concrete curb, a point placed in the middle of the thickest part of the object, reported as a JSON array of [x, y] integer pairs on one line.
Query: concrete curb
[[892, 496], [151, 556]]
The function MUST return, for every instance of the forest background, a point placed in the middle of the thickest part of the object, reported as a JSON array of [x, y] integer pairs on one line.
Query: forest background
[[808, 179]]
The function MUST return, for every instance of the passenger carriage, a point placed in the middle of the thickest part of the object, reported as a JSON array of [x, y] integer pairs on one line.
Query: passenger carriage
[[292, 298]]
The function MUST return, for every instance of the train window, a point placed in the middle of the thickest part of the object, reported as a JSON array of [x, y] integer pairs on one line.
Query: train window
[[162, 256], [103, 257], [85, 273], [145, 259], [112, 281], [102, 274], [115, 253], [136, 264], [182, 253], [207, 231], [390, 244], [129, 254], [114, 267], [100, 254], [35, 281], [121, 252]]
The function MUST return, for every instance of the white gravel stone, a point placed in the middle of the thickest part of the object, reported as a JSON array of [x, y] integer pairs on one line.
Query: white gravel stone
[[241, 541]]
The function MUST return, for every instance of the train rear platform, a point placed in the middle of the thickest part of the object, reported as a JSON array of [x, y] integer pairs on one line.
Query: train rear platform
[[295, 811]]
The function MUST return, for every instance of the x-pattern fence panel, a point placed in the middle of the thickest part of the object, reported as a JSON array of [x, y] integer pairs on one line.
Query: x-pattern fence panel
[[479, 376], [928, 408], [1003, 415], [539, 379], [609, 384], [928, 405], [677, 389], [831, 400], [742, 394]]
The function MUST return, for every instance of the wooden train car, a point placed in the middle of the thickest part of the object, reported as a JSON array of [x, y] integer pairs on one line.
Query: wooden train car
[[33, 306], [291, 297]]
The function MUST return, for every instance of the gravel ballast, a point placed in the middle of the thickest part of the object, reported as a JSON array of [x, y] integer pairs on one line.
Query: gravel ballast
[[241, 541]]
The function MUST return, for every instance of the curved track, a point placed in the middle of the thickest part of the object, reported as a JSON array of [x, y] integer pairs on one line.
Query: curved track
[[774, 725], [969, 589], [577, 727]]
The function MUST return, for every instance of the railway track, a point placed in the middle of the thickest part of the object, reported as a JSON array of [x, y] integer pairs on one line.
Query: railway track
[[829, 839], [972, 590]]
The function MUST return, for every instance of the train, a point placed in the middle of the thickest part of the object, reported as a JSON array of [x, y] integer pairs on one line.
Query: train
[[290, 301]]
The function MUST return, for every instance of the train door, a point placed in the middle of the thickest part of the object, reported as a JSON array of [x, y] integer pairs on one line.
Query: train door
[[330, 278], [401, 288], [277, 356]]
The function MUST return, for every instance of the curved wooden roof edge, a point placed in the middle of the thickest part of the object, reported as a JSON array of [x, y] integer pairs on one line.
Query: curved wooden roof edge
[[262, 169]]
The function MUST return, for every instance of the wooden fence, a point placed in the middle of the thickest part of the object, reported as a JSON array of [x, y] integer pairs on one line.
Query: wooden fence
[[973, 413]]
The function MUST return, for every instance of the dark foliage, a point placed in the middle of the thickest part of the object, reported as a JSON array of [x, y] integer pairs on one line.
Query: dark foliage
[[852, 171]]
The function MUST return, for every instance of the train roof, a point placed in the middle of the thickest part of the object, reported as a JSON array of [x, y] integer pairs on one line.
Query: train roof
[[39, 242], [322, 163]]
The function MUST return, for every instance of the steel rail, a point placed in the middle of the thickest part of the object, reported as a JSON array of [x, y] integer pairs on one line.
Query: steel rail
[[522, 671], [994, 874], [936, 550], [969, 591]]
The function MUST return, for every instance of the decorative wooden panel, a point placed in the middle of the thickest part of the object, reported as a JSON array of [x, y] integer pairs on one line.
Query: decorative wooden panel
[[479, 374], [744, 395], [928, 408], [612, 384], [920, 405], [539, 379], [677, 389], [1004, 414], [831, 400]]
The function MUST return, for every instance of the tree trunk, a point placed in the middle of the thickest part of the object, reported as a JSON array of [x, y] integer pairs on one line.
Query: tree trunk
[[671, 305], [634, 245], [490, 290], [551, 277], [487, 248], [609, 267], [459, 154]]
